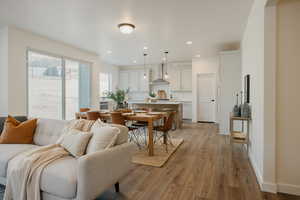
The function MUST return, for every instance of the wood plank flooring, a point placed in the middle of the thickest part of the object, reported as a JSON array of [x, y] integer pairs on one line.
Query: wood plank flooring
[[205, 167]]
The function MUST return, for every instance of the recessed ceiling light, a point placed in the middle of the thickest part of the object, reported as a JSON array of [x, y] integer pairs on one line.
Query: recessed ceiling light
[[134, 61], [109, 52], [189, 42], [145, 48], [126, 28], [198, 56]]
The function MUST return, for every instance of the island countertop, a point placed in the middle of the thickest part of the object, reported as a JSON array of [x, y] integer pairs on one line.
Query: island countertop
[[156, 103]]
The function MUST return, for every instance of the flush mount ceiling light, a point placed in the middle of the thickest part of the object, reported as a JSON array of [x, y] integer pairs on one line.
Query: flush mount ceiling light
[[189, 42], [145, 48], [126, 28]]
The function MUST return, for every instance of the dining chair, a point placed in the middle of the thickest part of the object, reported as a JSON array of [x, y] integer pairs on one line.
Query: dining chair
[[84, 109], [165, 129], [93, 115], [118, 118]]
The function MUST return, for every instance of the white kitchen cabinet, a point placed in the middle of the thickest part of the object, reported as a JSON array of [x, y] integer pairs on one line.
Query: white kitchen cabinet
[[186, 79], [134, 80], [187, 110], [180, 78], [174, 79], [123, 80]]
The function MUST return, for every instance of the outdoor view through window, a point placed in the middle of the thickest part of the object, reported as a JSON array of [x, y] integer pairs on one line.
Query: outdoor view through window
[[57, 87]]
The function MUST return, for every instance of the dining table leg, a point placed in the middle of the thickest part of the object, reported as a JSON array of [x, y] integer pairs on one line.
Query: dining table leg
[[150, 138]]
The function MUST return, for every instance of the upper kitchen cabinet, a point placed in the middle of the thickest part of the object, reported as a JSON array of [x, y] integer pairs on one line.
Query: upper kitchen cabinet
[[134, 80], [174, 79], [186, 79], [180, 76], [123, 80]]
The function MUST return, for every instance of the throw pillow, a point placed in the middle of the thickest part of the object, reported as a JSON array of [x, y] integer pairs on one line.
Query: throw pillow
[[78, 124], [103, 137], [122, 137], [15, 132], [75, 142]]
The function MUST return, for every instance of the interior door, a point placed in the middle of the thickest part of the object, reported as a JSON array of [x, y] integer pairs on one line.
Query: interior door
[[206, 97]]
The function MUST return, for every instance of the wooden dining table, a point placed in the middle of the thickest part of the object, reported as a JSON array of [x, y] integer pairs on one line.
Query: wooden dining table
[[150, 118]]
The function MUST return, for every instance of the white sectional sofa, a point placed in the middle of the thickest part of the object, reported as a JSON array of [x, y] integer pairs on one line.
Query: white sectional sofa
[[84, 178]]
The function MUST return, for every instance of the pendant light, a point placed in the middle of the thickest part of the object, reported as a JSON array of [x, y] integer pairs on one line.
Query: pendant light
[[145, 76], [166, 63]]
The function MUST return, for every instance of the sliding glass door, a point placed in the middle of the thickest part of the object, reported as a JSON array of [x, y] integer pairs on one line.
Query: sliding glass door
[[57, 87], [44, 86]]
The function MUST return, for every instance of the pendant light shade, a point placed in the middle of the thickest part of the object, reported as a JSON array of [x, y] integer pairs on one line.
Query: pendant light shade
[[145, 75], [166, 64]]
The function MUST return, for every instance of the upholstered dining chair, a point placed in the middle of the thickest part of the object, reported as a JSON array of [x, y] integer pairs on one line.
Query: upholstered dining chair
[[93, 115], [165, 129]]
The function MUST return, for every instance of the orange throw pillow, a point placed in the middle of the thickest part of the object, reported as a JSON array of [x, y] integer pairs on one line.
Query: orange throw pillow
[[15, 132]]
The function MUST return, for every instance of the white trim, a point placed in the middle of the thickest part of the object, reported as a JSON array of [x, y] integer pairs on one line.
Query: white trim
[[269, 187], [289, 189], [256, 169]]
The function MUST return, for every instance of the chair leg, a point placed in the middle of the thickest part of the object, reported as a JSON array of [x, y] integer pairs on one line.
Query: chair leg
[[117, 187]]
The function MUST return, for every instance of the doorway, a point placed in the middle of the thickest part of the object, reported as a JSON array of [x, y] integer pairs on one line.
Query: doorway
[[206, 97]]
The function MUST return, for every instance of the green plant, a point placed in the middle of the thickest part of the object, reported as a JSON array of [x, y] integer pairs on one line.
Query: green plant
[[152, 94], [118, 96]]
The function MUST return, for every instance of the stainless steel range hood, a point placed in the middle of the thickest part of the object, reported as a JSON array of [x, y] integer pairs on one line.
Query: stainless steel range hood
[[160, 80]]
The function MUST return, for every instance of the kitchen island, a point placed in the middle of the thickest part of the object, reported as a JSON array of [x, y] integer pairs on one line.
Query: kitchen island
[[161, 106]]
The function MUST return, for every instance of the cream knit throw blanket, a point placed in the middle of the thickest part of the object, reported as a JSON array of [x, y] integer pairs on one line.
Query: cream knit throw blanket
[[24, 170]]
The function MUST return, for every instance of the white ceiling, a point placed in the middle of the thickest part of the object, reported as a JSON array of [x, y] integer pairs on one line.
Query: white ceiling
[[212, 25]]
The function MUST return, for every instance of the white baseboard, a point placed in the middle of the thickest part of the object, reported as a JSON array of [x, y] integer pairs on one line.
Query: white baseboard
[[288, 188], [256, 169], [272, 187], [269, 187]]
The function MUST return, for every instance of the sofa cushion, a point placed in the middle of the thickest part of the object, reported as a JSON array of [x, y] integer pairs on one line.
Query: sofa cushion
[[9, 151], [60, 178], [2, 120], [48, 131]]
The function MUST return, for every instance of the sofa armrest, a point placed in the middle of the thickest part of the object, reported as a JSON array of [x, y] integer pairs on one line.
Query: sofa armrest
[[100, 170]]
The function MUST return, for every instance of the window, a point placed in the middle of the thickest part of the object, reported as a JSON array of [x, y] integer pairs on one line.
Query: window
[[105, 83], [57, 87]]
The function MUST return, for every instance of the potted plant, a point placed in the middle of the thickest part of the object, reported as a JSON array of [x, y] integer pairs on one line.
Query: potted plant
[[119, 97]]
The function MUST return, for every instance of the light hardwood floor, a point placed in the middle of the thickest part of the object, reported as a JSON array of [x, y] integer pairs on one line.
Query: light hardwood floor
[[205, 167]]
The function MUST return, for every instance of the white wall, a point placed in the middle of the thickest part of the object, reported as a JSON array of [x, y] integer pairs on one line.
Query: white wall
[[230, 84], [3, 71], [202, 66], [253, 64], [270, 54], [288, 97], [18, 42]]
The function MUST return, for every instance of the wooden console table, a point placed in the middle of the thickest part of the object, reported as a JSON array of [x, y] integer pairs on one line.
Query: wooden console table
[[241, 136]]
